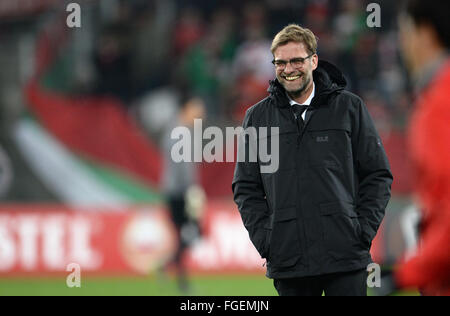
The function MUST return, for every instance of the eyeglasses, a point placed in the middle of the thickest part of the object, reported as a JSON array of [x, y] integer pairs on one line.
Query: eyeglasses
[[295, 62]]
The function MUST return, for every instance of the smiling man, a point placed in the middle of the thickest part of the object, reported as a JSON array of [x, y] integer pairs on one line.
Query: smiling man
[[314, 219], [295, 74]]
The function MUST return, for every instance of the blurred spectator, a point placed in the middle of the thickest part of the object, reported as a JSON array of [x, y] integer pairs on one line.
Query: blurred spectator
[[188, 30], [349, 24], [202, 69], [252, 65], [252, 57], [112, 58], [153, 24]]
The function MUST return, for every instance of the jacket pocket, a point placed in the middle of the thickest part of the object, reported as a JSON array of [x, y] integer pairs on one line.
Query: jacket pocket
[[342, 231], [285, 248]]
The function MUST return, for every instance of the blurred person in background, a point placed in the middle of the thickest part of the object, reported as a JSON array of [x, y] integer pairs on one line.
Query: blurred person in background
[[184, 197], [6, 173], [314, 219], [251, 67], [425, 42], [189, 30], [112, 58], [206, 62]]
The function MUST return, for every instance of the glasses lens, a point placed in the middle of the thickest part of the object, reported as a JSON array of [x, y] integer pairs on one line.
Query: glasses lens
[[297, 62], [280, 64]]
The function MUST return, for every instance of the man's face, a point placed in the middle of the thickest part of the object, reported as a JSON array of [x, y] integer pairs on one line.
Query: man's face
[[418, 42], [409, 42], [296, 79]]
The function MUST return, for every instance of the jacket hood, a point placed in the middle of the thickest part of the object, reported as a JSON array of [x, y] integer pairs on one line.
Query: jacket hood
[[327, 78]]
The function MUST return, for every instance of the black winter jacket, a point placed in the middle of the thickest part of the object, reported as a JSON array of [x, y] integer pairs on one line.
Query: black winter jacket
[[319, 212]]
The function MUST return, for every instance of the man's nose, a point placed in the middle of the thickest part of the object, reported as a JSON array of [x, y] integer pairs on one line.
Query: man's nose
[[289, 68]]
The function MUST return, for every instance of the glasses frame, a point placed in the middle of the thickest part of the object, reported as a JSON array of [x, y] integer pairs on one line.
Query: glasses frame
[[299, 60]]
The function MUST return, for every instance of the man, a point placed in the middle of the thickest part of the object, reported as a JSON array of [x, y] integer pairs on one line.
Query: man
[[184, 196], [425, 39], [314, 219], [6, 174]]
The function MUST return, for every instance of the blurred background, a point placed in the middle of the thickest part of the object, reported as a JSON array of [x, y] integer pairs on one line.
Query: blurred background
[[83, 116]]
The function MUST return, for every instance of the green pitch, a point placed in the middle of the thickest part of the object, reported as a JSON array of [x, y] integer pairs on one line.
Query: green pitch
[[145, 286], [235, 285]]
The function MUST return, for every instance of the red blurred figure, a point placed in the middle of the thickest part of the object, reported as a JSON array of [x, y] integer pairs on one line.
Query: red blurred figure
[[188, 31], [425, 42]]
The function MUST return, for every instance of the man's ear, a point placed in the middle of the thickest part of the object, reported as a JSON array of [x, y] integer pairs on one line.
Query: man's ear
[[315, 61]]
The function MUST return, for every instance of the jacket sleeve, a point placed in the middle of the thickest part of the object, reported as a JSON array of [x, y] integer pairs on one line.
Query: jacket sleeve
[[373, 175], [250, 197]]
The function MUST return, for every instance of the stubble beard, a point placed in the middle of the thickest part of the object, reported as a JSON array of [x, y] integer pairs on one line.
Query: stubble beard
[[301, 90]]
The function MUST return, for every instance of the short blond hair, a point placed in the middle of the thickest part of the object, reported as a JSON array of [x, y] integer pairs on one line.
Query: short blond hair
[[295, 33]]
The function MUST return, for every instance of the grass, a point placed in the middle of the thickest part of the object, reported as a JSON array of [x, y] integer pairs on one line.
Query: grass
[[215, 285], [235, 285]]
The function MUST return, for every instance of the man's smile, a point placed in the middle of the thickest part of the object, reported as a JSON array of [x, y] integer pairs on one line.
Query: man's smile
[[291, 78]]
